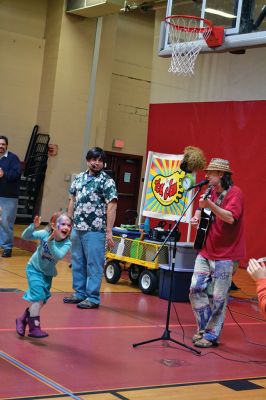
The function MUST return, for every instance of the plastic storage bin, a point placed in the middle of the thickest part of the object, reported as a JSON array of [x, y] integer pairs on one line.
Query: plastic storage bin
[[181, 284], [183, 270], [185, 255]]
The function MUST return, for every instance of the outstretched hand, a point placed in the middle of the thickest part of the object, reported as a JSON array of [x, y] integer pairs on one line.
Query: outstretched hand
[[37, 221], [256, 270]]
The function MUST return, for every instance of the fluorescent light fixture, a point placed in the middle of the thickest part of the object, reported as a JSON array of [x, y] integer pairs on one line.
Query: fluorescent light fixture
[[221, 13]]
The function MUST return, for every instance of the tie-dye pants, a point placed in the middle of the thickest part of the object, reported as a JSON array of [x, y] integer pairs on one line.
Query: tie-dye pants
[[208, 295]]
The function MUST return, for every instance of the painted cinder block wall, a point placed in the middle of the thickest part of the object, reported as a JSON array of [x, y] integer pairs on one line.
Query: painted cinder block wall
[[45, 80]]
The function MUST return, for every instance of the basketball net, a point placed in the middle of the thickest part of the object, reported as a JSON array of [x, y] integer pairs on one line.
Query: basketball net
[[187, 36]]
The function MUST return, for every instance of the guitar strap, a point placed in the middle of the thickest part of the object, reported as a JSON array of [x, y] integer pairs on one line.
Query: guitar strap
[[221, 197], [219, 201]]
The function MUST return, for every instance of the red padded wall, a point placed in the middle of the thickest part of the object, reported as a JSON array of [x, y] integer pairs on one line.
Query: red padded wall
[[234, 130]]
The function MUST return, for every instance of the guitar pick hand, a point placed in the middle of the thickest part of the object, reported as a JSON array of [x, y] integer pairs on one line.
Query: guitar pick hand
[[204, 202], [194, 221]]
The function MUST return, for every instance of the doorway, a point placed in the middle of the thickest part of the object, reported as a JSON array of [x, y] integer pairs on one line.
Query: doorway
[[126, 171]]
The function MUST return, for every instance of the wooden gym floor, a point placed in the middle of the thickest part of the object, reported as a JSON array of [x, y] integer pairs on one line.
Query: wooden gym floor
[[89, 354]]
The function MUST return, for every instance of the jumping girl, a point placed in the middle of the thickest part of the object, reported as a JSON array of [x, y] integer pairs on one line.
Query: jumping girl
[[41, 268]]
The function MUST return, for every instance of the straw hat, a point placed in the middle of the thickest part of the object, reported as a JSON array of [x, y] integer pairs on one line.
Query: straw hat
[[218, 164]]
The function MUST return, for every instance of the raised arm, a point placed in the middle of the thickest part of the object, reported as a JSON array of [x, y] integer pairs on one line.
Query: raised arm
[[224, 215]]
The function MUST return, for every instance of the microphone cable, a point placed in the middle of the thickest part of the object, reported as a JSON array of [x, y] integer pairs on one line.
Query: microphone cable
[[240, 327], [249, 361]]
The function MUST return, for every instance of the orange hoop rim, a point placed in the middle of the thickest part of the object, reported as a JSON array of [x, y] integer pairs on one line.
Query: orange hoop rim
[[184, 28]]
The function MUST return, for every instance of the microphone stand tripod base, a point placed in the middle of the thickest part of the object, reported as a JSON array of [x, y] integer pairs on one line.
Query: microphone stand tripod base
[[166, 336]]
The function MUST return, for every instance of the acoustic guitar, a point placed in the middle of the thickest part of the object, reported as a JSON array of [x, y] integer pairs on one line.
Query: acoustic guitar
[[204, 224]]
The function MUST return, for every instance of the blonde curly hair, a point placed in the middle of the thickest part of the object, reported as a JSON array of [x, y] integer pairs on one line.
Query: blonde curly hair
[[193, 159]]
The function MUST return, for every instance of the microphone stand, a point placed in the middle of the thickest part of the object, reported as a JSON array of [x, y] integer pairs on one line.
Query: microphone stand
[[166, 334]]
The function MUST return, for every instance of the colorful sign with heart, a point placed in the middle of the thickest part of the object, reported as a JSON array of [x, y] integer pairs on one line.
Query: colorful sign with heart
[[163, 195]]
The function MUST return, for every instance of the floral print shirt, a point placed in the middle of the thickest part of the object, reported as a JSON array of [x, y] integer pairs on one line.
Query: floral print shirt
[[91, 196]]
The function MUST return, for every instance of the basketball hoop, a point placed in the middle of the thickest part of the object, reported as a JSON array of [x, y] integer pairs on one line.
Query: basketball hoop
[[187, 35]]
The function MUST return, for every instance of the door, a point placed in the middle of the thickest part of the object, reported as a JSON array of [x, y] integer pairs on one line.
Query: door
[[126, 171]]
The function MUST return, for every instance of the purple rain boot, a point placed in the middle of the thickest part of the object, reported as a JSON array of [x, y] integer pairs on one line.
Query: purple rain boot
[[35, 328], [21, 323]]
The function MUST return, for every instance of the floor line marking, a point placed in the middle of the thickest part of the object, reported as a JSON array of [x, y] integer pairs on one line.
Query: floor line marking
[[167, 385], [37, 375], [93, 328]]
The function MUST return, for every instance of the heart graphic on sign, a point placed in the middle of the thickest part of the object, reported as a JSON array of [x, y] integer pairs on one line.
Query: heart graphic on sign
[[168, 189]]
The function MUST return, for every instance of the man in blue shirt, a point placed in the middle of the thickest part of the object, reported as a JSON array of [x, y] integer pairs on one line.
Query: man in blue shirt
[[10, 171]]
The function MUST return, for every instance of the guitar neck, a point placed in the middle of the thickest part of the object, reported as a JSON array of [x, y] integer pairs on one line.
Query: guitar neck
[[207, 192], [203, 227]]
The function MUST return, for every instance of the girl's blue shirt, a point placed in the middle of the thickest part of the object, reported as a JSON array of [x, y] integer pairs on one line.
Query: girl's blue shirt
[[48, 253]]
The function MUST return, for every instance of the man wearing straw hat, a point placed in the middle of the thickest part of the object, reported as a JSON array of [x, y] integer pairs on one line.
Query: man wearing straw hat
[[221, 251]]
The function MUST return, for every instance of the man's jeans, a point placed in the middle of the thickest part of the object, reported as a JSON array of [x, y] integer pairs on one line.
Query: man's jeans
[[209, 291], [9, 211], [88, 256]]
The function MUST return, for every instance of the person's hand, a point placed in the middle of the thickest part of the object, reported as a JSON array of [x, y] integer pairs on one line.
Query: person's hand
[[194, 221], [1, 173], [204, 203], [109, 240], [142, 234], [256, 270], [37, 221]]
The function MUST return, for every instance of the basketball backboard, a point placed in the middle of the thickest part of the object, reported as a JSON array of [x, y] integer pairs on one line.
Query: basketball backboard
[[244, 22]]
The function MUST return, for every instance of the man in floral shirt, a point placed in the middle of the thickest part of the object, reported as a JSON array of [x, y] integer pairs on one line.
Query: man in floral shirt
[[92, 206]]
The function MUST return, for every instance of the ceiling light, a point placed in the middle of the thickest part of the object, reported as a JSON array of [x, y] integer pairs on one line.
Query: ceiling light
[[221, 13]]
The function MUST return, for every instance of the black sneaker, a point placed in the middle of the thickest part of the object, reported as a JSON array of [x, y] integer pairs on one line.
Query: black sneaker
[[87, 304], [71, 299], [7, 253]]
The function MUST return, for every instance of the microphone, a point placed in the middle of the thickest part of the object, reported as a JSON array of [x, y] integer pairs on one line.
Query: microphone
[[202, 183]]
